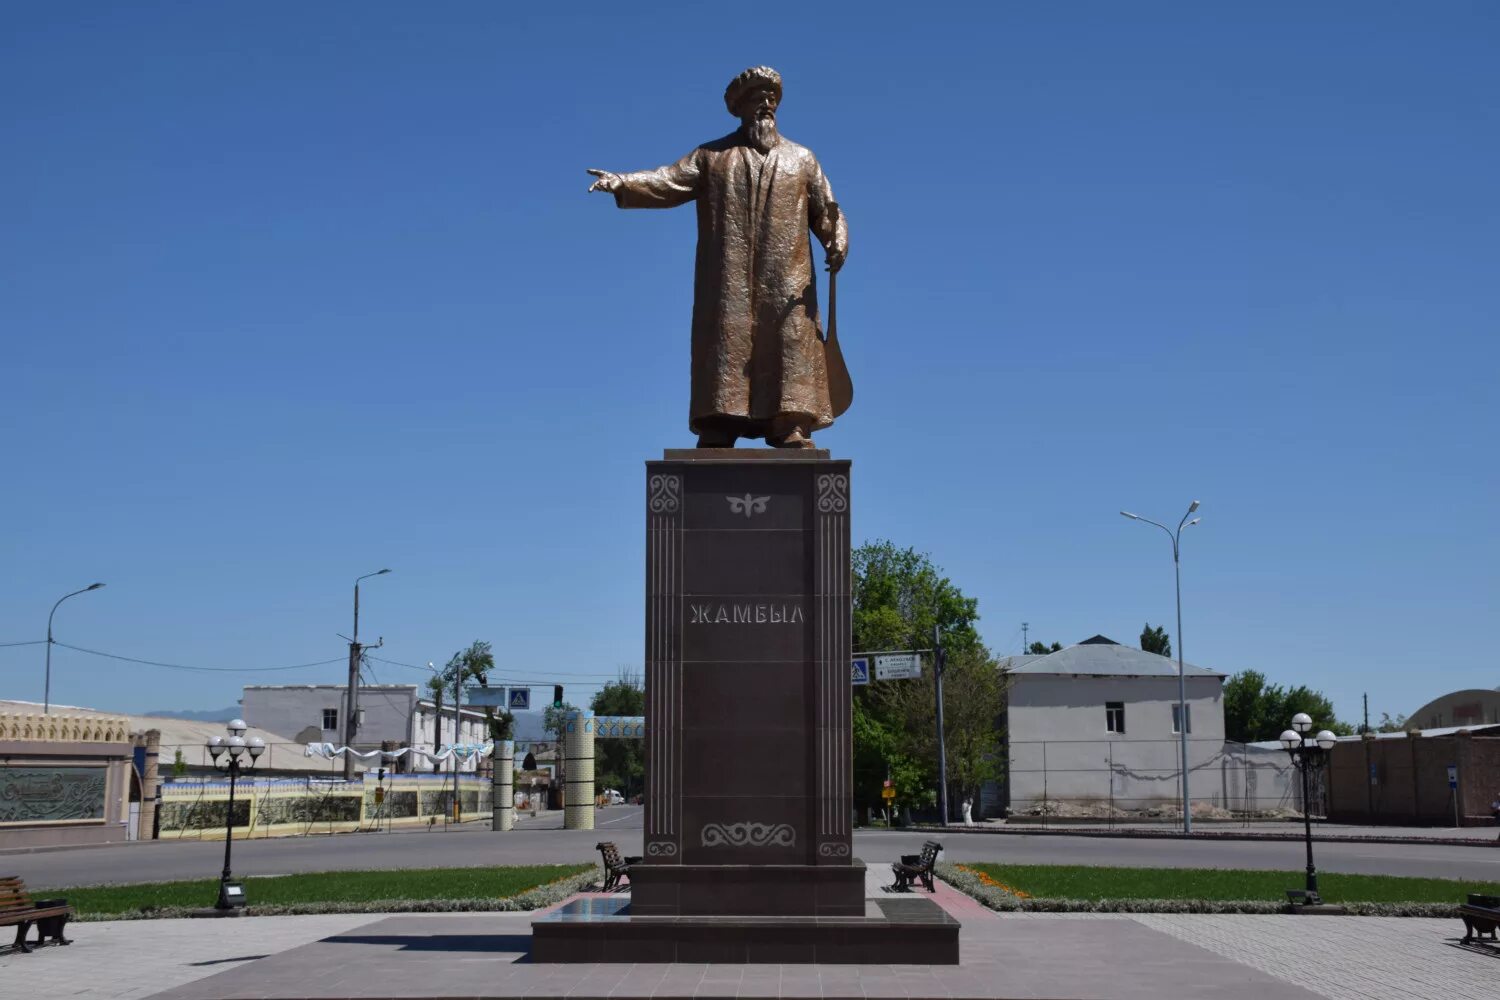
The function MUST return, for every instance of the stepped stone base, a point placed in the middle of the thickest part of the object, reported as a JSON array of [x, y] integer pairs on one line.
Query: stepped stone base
[[748, 890], [603, 929]]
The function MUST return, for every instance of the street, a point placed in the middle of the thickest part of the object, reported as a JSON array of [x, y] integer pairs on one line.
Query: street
[[541, 841]]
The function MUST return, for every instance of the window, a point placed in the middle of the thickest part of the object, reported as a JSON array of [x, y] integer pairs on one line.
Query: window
[[331, 718], [1177, 718], [1114, 716]]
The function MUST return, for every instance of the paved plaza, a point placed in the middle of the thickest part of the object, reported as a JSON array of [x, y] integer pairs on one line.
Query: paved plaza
[[1061, 956]]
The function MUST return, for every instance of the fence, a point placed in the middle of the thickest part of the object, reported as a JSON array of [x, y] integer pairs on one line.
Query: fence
[[1133, 780], [195, 804]]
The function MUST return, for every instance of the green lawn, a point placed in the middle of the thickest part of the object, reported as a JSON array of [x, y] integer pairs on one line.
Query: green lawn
[[1088, 883], [320, 887]]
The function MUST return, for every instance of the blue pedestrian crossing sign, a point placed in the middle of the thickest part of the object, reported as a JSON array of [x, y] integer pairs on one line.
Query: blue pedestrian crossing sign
[[859, 672], [519, 700]]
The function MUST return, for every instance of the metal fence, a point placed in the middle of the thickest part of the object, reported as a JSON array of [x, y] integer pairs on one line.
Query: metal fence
[[1121, 781]]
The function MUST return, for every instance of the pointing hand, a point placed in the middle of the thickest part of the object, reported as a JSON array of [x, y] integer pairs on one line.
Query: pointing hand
[[607, 181]]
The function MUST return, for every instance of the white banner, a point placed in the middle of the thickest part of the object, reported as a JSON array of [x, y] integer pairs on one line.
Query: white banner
[[465, 751]]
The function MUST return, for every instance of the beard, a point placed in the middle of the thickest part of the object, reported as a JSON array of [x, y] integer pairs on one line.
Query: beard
[[762, 133]]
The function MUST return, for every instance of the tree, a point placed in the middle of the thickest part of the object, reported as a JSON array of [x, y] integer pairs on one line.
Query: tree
[[179, 766], [620, 764], [899, 596], [1255, 710], [471, 663], [1042, 649], [973, 701], [1392, 724], [555, 717], [1156, 640]]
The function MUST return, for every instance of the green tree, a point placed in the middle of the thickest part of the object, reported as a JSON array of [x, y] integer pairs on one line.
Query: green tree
[[973, 700], [1156, 640], [179, 765], [554, 718], [620, 764], [1255, 710], [1392, 724], [1042, 649], [899, 595]]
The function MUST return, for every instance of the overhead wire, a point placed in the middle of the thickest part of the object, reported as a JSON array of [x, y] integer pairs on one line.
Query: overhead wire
[[201, 669]]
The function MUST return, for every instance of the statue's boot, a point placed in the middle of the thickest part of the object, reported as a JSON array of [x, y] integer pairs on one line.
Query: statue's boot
[[716, 438], [797, 438]]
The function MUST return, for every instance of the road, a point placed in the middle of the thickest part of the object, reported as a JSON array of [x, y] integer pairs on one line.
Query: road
[[541, 841]]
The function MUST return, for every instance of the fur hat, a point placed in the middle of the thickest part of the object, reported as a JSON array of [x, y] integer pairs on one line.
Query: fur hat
[[755, 76]]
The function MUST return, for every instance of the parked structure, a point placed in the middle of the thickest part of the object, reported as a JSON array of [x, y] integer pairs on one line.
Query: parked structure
[[391, 713], [1095, 726]]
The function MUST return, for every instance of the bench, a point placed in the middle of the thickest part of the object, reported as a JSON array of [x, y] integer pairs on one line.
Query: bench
[[916, 867], [17, 907], [615, 867], [1481, 916]]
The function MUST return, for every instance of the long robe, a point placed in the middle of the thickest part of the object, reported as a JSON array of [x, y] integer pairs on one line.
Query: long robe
[[758, 362]]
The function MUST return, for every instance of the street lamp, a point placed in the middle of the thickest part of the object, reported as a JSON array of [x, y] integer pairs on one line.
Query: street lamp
[[1182, 712], [47, 685], [1306, 753], [231, 893]]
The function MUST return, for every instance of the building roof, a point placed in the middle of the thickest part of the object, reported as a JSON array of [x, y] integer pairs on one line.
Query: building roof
[[190, 736], [1478, 729], [1100, 656]]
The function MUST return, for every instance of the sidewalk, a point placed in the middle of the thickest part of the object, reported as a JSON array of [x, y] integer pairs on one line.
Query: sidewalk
[[1480, 836], [1045, 956]]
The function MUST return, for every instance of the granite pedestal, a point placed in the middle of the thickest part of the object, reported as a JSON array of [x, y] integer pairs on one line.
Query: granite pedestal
[[748, 818]]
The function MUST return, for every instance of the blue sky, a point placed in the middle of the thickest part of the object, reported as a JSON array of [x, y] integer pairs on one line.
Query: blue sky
[[294, 292]]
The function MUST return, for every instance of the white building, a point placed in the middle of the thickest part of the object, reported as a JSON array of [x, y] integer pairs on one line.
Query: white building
[[315, 713], [1096, 726]]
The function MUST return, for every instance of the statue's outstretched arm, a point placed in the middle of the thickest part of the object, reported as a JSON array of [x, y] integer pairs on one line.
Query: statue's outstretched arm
[[664, 187]]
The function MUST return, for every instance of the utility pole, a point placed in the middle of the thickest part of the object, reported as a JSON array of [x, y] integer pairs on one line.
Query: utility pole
[[458, 697], [937, 680], [351, 698], [1366, 728], [1025, 626]]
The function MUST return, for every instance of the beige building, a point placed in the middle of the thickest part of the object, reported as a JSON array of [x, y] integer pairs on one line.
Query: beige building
[[1473, 707]]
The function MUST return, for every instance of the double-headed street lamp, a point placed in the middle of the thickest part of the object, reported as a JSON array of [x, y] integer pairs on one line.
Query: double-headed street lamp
[[1182, 712], [231, 893], [1306, 753], [47, 684]]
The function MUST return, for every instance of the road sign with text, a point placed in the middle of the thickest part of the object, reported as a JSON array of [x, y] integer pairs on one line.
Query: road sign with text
[[481, 697], [897, 666]]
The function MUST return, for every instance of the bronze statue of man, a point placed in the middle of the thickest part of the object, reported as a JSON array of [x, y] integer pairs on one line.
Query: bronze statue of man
[[760, 369]]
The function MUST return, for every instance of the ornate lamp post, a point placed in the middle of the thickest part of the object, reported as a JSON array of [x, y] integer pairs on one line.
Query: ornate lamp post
[[1306, 753], [233, 750]]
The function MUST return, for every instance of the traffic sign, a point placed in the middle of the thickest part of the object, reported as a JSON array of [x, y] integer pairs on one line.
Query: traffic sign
[[485, 696], [898, 666], [887, 792], [860, 670], [519, 700]]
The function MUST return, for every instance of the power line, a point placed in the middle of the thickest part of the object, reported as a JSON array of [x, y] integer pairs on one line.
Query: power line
[[33, 642], [561, 674], [183, 666]]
